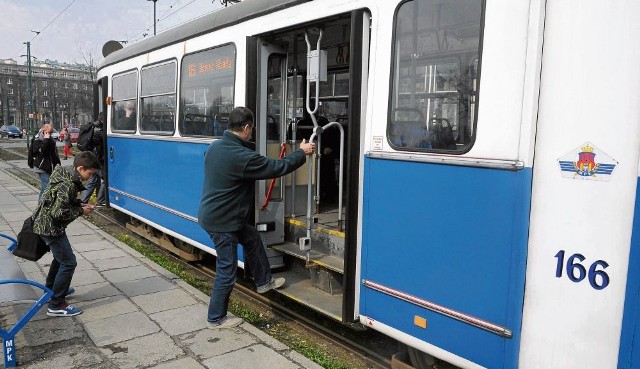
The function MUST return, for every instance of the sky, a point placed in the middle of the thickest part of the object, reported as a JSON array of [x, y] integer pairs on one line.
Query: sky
[[72, 29]]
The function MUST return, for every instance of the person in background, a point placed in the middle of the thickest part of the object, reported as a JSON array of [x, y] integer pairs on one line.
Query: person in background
[[67, 144], [43, 156], [227, 198], [58, 208], [95, 182], [129, 120]]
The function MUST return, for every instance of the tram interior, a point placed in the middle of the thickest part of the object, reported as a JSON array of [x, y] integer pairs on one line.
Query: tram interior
[[316, 277]]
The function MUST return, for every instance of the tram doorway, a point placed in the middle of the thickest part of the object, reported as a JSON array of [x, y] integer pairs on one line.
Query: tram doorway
[[308, 88]]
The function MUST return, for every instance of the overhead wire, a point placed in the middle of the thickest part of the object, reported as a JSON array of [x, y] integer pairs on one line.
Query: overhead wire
[[48, 24], [147, 28]]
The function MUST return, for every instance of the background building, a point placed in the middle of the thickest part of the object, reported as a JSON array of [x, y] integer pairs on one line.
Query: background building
[[62, 93]]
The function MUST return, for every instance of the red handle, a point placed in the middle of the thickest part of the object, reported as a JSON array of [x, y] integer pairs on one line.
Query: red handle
[[273, 180]]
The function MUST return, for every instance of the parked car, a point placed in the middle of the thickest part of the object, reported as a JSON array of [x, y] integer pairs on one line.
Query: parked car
[[55, 134], [10, 131], [74, 134]]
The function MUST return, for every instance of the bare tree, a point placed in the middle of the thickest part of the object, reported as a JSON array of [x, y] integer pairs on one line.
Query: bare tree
[[90, 61]]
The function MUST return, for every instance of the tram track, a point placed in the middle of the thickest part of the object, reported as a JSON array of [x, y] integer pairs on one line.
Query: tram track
[[325, 331]]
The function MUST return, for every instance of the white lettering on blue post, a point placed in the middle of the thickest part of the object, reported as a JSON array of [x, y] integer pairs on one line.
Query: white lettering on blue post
[[8, 352]]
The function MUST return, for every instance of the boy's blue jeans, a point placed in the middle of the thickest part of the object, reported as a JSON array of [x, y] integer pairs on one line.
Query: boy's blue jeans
[[226, 245], [62, 268]]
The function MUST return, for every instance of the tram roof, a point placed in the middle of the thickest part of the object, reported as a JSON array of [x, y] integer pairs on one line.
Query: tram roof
[[225, 17]]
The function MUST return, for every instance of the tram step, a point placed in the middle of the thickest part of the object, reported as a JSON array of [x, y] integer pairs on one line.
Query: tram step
[[300, 288], [324, 240], [316, 257]]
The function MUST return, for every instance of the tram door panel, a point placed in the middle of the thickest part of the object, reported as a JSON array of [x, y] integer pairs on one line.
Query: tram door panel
[[270, 121]]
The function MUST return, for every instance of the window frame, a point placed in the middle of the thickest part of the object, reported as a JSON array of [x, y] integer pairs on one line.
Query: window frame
[[141, 97], [392, 92], [114, 100], [180, 100]]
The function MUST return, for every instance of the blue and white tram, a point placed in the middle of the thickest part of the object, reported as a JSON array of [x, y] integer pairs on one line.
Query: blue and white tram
[[474, 191]]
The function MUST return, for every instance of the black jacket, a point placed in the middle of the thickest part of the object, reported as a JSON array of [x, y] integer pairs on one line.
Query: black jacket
[[43, 154], [231, 168]]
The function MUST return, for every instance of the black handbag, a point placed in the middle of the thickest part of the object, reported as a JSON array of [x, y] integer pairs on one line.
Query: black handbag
[[30, 245]]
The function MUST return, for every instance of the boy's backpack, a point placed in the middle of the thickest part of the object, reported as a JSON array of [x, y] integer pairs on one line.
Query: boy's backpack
[[88, 139]]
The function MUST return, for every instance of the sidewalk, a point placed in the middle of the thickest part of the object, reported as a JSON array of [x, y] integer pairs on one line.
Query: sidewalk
[[135, 314]]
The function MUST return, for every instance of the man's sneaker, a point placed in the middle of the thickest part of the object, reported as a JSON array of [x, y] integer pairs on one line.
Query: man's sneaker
[[274, 284], [70, 291], [226, 322], [64, 310]]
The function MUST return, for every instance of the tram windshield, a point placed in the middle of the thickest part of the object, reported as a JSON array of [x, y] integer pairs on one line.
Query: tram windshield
[[435, 75]]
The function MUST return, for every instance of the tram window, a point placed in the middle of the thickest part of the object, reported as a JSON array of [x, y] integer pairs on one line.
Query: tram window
[[206, 91], [158, 98], [435, 75], [125, 102]]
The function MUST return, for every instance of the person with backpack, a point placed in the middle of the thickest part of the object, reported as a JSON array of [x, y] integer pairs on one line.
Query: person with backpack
[[90, 139], [43, 156], [67, 144]]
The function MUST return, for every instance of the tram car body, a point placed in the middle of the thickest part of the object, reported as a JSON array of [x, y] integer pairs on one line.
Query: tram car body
[[474, 197]]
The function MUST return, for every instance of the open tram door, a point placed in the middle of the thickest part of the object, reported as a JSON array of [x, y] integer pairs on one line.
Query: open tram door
[[100, 106], [308, 219]]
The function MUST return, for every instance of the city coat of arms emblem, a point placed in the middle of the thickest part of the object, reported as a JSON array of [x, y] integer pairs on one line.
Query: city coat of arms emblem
[[587, 162]]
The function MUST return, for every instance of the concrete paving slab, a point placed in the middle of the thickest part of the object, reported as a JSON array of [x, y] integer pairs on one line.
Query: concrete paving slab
[[256, 356], [184, 363], [94, 291], [118, 328], [145, 286], [12, 208], [84, 277], [128, 274], [16, 215], [75, 356], [163, 300], [182, 320], [142, 351], [115, 263], [96, 244], [104, 254], [85, 238], [207, 343], [51, 330], [78, 228], [104, 308]]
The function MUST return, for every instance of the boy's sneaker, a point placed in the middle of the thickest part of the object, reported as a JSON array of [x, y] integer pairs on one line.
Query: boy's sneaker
[[64, 310], [70, 291], [226, 322], [274, 284]]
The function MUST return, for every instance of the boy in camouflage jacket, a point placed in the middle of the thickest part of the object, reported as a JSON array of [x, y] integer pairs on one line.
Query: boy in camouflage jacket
[[58, 207]]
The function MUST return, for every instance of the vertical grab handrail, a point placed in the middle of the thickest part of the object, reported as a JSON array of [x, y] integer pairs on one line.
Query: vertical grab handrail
[[316, 129], [341, 174]]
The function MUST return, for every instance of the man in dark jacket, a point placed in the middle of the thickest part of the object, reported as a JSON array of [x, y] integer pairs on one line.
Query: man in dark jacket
[[231, 167], [43, 156], [95, 182]]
